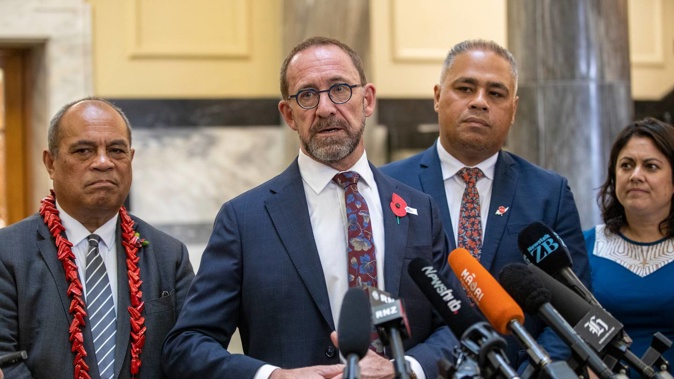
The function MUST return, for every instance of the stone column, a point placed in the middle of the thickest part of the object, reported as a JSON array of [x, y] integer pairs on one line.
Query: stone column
[[574, 89], [347, 21]]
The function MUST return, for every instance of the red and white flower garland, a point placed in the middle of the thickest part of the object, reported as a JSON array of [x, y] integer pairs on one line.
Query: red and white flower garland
[[131, 243]]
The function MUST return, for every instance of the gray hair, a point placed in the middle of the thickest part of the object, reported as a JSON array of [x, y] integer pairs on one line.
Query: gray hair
[[479, 44], [320, 41], [53, 133]]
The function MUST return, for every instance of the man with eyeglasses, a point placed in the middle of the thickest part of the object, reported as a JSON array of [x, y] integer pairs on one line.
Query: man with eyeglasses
[[279, 260]]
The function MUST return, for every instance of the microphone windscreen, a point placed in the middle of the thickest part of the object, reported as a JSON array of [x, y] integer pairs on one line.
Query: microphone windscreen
[[451, 303], [568, 303], [355, 318], [527, 290], [542, 247], [494, 302]]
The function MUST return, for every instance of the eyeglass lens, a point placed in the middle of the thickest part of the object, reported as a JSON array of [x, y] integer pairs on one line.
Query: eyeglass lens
[[338, 94]]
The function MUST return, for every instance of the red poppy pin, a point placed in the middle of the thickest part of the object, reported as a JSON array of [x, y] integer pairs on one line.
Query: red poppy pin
[[399, 207], [502, 210]]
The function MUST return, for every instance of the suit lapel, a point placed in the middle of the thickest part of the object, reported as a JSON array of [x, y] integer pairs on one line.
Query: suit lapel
[[432, 183], [395, 233], [123, 303], [289, 213], [50, 256], [503, 192]]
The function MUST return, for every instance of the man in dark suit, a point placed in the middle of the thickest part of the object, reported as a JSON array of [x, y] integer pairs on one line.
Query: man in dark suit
[[47, 302], [476, 101], [276, 263]]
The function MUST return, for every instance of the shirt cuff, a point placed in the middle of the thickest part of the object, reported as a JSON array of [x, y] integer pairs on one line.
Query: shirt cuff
[[415, 366], [264, 372]]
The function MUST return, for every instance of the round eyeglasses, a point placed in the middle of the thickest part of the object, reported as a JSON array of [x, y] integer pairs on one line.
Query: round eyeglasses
[[338, 93]]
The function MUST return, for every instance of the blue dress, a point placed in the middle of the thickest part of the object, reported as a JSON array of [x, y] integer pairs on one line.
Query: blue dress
[[634, 282]]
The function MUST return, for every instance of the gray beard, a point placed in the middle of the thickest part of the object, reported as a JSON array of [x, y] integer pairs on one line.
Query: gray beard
[[333, 149]]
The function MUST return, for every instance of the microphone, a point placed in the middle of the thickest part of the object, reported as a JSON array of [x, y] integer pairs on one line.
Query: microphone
[[353, 331], [544, 249], [532, 294], [11, 358], [502, 311], [388, 316], [596, 326], [653, 355], [449, 302], [481, 345]]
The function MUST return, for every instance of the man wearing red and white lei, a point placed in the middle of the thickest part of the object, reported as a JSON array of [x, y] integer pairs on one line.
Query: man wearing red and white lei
[[86, 289]]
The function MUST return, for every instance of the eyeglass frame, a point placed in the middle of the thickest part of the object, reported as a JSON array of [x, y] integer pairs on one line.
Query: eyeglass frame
[[350, 86]]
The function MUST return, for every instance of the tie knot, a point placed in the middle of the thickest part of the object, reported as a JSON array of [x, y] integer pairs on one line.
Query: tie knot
[[345, 179], [93, 240], [471, 175]]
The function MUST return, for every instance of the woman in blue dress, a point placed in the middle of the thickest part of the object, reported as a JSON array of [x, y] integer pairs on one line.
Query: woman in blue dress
[[631, 255]]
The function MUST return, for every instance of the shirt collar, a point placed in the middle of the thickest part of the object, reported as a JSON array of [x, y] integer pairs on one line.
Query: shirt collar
[[318, 175], [451, 166], [76, 232]]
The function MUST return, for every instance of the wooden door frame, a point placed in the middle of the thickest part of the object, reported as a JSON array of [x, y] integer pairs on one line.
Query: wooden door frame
[[15, 63]]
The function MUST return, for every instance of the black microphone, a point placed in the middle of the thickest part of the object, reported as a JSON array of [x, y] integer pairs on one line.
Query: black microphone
[[451, 304], [11, 358], [532, 295], [502, 312], [481, 346], [388, 316], [353, 331], [653, 355], [596, 326], [543, 248]]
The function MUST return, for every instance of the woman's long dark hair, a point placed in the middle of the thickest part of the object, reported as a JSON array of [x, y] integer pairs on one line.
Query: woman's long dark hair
[[662, 135]]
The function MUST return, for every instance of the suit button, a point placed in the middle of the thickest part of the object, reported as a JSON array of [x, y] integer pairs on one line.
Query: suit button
[[330, 352]]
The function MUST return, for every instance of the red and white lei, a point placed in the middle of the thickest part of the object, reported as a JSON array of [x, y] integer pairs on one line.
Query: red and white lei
[[131, 243]]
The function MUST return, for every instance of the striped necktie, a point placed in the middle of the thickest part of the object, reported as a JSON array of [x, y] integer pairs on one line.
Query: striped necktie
[[101, 310]]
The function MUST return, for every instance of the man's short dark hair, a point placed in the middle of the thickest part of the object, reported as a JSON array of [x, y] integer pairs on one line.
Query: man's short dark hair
[[479, 44], [55, 123]]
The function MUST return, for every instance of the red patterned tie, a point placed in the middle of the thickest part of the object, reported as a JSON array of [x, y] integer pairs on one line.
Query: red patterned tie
[[470, 223], [362, 261], [362, 264]]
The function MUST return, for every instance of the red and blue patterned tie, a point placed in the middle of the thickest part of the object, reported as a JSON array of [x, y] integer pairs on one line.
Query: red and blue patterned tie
[[470, 223], [362, 264]]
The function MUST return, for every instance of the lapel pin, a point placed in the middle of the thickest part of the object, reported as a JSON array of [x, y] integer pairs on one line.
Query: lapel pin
[[400, 208], [502, 210]]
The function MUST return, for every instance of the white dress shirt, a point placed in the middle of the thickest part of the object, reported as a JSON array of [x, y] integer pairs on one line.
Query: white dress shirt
[[327, 211], [77, 234]]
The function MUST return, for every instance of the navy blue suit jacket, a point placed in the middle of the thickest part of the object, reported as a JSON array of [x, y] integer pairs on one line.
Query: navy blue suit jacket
[[531, 194], [261, 272]]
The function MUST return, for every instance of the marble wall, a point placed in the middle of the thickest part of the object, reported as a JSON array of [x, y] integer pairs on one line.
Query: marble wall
[[183, 175], [574, 89]]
